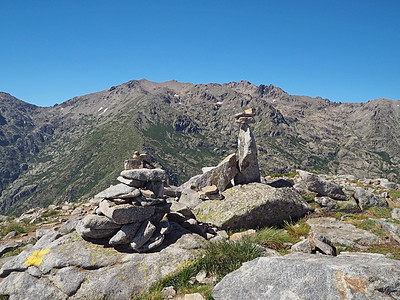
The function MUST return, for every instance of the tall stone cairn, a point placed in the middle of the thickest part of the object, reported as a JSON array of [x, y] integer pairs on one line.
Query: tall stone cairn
[[247, 149]]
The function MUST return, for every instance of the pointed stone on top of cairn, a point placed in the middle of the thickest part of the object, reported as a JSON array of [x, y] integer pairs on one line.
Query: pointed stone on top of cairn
[[247, 160]]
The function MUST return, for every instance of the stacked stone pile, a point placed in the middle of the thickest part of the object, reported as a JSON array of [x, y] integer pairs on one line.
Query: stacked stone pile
[[134, 214], [247, 149], [233, 170]]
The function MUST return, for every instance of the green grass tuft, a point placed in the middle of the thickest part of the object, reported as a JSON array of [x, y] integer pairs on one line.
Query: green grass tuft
[[379, 212], [219, 259], [17, 227]]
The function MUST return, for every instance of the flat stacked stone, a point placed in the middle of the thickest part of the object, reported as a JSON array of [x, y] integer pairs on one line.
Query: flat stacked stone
[[134, 214], [152, 179]]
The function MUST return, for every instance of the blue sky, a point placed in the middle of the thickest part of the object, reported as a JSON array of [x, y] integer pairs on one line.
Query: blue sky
[[346, 51]]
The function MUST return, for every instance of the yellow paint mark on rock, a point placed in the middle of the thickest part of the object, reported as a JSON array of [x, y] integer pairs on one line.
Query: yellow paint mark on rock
[[36, 258]]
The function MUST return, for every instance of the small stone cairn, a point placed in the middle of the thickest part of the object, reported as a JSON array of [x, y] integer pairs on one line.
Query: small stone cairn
[[233, 170], [134, 215]]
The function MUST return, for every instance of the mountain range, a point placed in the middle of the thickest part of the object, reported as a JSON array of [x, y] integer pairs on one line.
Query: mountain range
[[71, 151]]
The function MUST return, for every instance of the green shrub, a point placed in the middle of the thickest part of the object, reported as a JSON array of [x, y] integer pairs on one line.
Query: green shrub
[[297, 230], [274, 238], [224, 257], [50, 213], [15, 226]]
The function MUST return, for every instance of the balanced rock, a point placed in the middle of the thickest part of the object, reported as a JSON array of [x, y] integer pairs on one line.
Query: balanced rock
[[251, 112], [96, 227], [321, 186], [125, 213], [251, 206], [155, 241], [247, 161], [309, 277]]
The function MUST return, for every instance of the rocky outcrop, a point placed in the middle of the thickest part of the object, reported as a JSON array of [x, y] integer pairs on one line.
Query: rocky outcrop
[[321, 186], [343, 233], [251, 206], [367, 199], [310, 277], [68, 267]]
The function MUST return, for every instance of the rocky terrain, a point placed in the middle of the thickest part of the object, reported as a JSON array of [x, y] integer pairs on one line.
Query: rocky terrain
[[299, 235], [44, 257], [52, 155]]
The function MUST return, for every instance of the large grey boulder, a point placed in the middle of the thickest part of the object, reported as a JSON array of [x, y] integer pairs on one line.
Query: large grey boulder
[[367, 199], [251, 206], [342, 233], [125, 213], [97, 227], [318, 184], [247, 161], [309, 277], [387, 184], [72, 268], [116, 191], [144, 174], [220, 176]]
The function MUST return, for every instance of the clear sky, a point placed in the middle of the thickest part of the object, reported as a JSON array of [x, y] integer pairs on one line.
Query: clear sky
[[349, 51]]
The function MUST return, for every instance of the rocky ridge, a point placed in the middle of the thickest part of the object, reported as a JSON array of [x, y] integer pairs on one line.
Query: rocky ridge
[[57, 154], [72, 265]]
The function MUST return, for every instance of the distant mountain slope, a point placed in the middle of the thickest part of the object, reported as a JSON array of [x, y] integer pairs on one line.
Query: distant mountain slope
[[71, 151]]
